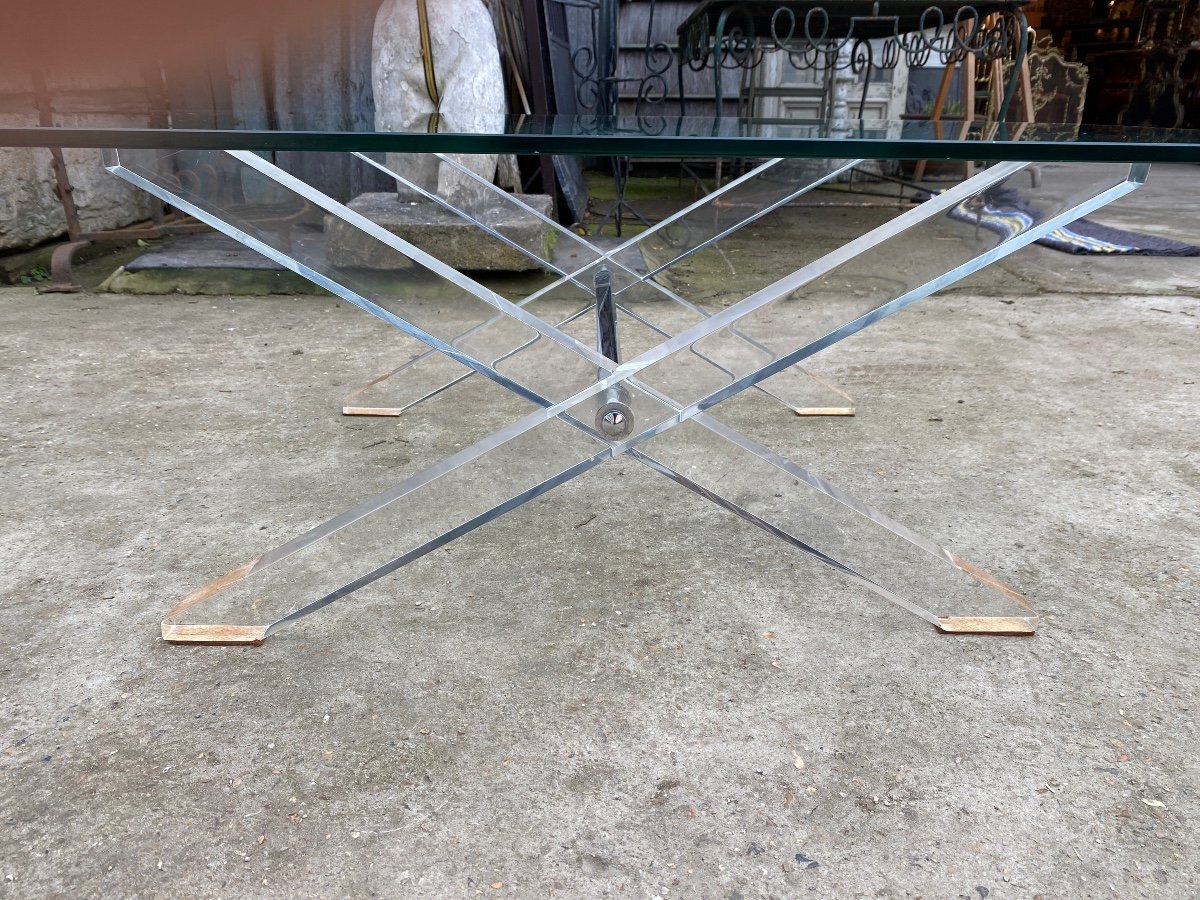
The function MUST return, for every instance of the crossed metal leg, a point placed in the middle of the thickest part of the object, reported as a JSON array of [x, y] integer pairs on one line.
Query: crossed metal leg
[[640, 262], [574, 407]]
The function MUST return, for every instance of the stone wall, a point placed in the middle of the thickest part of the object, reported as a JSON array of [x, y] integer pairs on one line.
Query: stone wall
[[30, 213]]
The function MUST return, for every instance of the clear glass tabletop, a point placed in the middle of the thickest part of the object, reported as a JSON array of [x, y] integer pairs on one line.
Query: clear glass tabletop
[[665, 136]]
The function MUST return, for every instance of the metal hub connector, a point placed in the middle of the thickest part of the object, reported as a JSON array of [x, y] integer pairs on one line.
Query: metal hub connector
[[614, 419]]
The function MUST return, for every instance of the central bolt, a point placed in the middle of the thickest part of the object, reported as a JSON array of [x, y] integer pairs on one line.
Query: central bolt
[[614, 420]]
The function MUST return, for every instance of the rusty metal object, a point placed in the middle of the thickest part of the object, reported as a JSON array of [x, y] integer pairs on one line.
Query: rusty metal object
[[62, 279], [162, 222]]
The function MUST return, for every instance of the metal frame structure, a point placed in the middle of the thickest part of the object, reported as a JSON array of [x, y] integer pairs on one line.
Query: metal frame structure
[[854, 36], [592, 405], [834, 401]]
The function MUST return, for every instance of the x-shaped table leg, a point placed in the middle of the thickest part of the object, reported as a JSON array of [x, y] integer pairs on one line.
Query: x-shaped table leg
[[676, 238], [662, 397]]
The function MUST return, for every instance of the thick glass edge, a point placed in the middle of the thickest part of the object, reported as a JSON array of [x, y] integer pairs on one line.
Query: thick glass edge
[[612, 144]]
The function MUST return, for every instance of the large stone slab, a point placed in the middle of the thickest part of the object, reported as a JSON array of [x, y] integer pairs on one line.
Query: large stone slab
[[465, 59], [440, 233]]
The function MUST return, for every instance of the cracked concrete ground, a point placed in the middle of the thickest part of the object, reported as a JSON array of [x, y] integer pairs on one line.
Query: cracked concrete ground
[[619, 689]]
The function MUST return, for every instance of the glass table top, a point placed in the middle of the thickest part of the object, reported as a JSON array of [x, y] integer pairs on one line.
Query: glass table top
[[665, 136]]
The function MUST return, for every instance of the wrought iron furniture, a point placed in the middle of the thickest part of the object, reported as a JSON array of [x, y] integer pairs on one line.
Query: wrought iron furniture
[[851, 36], [622, 61]]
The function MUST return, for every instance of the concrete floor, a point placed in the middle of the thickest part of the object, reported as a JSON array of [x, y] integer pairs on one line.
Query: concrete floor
[[619, 689]]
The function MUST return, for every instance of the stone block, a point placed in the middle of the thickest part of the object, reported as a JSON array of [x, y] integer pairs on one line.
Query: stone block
[[470, 79], [30, 212], [440, 233]]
